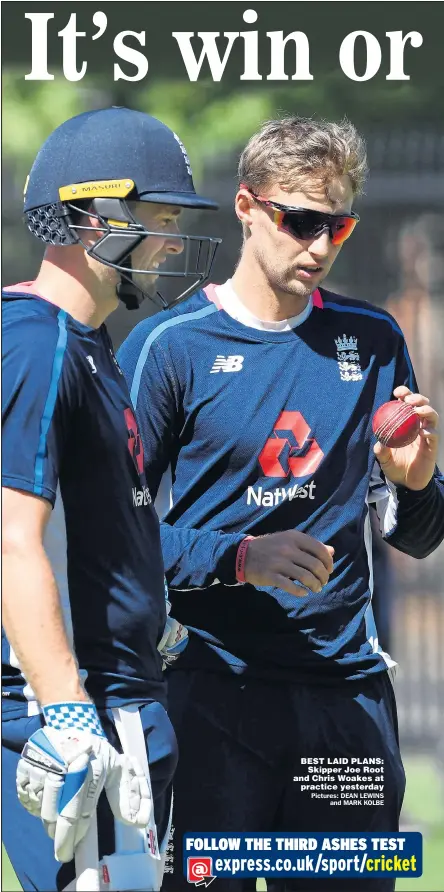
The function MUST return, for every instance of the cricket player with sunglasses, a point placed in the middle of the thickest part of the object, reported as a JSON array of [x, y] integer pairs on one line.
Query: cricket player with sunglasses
[[86, 630], [255, 401]]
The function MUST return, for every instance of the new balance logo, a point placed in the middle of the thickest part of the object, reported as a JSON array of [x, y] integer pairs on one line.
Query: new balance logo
[[227, 364], [141, 497]]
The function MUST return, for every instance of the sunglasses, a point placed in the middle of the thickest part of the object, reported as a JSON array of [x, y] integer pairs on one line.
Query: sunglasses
[[304, 223]]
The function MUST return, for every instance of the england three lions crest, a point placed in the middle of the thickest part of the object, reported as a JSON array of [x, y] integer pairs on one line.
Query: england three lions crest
[[349, 361]]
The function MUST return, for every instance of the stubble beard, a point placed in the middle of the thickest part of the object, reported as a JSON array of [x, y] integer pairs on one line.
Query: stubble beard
[[288, 285], [146, 283]]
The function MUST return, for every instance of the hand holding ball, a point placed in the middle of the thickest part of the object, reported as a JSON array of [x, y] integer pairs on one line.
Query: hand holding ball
[[396, 424]]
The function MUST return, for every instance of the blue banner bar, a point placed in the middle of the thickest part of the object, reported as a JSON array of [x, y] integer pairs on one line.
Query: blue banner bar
[[208, 856]]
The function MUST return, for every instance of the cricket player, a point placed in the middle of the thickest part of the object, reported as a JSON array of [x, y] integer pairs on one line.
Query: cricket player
[[255, 398], [84, 606]]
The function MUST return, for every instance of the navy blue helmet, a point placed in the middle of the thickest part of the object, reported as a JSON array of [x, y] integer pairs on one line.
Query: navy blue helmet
[[100, 162]]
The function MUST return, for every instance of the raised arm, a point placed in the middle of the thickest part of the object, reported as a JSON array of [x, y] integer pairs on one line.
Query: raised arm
[[407, 487], [193, 558]]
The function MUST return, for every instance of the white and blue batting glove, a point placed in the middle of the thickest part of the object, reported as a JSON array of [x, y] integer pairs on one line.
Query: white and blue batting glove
[[65, 766], [174, 640]]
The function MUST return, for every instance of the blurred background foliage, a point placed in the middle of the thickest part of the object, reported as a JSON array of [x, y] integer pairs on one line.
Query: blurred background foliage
[[211, 118]]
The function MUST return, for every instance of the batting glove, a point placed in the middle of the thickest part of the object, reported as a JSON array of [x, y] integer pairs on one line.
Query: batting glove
[[65, 766], [174, 640]]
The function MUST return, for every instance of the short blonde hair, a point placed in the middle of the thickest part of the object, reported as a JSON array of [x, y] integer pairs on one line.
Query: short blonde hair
[[292, 151]]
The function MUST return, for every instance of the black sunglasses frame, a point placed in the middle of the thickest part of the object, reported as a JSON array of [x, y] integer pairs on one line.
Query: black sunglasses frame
[[326, 221]]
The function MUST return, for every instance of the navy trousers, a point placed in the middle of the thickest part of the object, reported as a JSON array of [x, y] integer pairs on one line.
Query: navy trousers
[[241, 743]]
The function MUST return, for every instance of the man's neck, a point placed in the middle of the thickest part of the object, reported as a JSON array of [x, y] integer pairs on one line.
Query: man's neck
[[256, 293], [75, 290]]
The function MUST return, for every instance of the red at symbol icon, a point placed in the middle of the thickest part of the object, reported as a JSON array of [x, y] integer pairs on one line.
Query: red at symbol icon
[[199, 871]]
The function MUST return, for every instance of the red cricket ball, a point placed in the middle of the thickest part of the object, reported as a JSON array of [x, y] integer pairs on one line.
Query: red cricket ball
[[396, 424]]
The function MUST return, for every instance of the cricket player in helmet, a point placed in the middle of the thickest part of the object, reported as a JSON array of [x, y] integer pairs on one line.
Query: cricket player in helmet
[[130, 173], [87, 630]]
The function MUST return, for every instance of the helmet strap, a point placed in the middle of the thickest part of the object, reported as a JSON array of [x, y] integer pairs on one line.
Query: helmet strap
[[127, 290]]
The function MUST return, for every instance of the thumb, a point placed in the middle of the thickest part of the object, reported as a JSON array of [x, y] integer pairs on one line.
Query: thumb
[[128, 792], [383, 454]]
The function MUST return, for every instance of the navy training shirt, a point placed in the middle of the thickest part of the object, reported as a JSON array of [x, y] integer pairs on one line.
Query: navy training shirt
[[69, 430], [266, 431]]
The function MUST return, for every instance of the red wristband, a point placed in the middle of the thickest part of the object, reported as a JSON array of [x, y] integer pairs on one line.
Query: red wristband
[[241, 557]]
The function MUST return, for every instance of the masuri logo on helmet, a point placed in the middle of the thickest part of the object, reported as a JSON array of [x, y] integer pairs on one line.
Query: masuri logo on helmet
[[106, 158]]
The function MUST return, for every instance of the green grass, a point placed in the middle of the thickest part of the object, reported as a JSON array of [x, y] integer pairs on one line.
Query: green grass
[[432, 879], [10, 882], [423, 811]]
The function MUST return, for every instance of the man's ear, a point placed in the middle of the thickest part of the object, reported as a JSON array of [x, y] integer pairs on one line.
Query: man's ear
[[85, 216], [91, 219], [242, 207], [79, 215]]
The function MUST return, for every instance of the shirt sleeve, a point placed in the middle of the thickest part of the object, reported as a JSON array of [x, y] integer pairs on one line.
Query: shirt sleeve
[[411, 521], [35, 404], [193, 558]]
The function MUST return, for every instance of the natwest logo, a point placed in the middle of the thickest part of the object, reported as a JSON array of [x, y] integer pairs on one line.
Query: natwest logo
[[269, 497], [290, 449], [141, 497]]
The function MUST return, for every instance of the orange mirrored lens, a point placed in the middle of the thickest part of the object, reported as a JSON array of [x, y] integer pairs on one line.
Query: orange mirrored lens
[[342, 230], [303, 225]]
